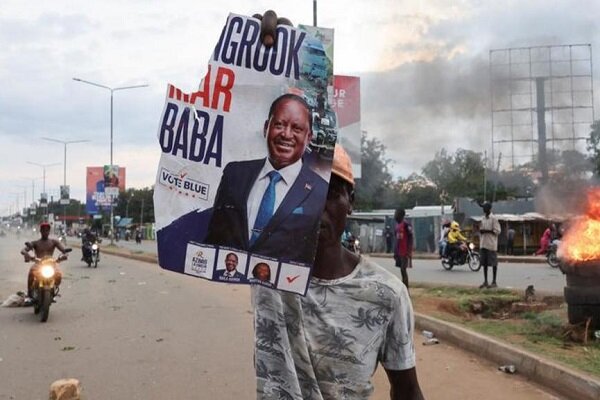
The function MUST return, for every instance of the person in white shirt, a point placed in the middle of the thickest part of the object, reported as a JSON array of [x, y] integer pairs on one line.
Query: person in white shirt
[[488, 248]]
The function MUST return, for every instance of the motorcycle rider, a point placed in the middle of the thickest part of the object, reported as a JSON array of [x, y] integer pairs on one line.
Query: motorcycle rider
[[443, 243], [43, 247], [455, 239], [87, 240]]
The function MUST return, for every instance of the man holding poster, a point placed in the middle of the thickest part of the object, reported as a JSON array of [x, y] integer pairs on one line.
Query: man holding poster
[[354, 315], [272, 206]]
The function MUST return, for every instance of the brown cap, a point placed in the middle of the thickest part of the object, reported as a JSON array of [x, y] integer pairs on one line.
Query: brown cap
[[342, 166]]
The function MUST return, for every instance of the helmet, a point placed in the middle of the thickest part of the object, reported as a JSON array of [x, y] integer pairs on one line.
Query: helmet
[[454, 225], [342, 166]]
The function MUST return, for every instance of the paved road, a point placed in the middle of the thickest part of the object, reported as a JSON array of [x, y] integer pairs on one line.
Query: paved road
[[129, 330], [510, 275]]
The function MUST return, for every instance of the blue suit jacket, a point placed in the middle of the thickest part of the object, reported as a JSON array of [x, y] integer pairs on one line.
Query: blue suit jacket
[[237, 277], [290, 235]]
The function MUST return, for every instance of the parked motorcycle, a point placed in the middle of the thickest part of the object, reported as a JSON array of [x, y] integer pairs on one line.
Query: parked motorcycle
[[551, 254], [465, 255], [44, 285], [92, 256]]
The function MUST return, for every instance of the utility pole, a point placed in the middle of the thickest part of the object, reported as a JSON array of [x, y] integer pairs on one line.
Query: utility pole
[[142, 218], [44, 166], [65, 143], [112, 90]]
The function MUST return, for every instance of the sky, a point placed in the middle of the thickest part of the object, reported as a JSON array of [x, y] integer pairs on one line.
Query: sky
[[423, 67]]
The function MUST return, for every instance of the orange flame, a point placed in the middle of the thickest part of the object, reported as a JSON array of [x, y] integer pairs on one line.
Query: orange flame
[[582, 240]]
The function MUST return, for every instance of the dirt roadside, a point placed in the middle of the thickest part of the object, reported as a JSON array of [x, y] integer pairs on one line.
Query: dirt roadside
[[446, 372]]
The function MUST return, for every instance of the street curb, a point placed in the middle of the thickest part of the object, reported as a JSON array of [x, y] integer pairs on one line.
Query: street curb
[[566, 381], [145, 257], [501, 258]]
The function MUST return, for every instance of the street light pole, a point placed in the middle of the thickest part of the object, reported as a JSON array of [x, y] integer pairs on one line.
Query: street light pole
[[65, 143], [112, 90], [44, 166]]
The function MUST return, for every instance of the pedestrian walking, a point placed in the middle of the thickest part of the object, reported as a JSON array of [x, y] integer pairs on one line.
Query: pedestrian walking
[[404, 244], [389, 239], [510, 242], [489, 230]]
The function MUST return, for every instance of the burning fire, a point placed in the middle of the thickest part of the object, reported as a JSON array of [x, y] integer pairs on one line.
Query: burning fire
[[582, 239]]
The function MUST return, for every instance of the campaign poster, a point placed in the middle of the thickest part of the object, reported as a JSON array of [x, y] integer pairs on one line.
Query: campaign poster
[[246, 159], [64, 194], [346, 103], [111, 180], [96, 197]]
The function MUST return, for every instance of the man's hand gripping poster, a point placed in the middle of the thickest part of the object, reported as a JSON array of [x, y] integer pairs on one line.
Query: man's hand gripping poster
[[246, 159]]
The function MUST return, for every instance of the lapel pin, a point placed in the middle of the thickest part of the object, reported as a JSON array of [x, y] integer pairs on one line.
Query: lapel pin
[[307, 186]]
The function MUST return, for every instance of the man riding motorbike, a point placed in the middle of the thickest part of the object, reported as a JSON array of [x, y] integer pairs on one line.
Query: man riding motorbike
[[455, 239], [43, 247], [87, 240]]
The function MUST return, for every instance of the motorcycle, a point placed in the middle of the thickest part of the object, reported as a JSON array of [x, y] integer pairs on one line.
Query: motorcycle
[[551, 254], [92, 256], [465, 255], [44, 285], [352, 244]]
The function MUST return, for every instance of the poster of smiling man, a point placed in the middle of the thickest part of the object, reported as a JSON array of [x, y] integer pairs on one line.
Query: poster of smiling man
[[244, 170]]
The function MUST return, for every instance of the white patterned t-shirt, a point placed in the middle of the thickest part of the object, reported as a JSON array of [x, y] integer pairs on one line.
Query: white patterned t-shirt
[[327, 345]]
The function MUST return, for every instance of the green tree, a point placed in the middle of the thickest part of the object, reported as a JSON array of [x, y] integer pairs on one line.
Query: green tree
[[130, 204], [459, 174], [416, 190], [593, 146], [375, 182]]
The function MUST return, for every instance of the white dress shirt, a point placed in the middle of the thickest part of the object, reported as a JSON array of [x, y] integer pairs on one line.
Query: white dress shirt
[[288, 175]]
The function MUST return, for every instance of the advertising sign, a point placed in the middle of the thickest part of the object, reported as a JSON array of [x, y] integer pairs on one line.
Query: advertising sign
[[246, 159], [44, 200], [96, 197], [64, 194], [346, 103], [111, 180]]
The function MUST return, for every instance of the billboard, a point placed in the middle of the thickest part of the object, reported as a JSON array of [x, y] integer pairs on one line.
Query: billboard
[[346, 103], [96, 197]]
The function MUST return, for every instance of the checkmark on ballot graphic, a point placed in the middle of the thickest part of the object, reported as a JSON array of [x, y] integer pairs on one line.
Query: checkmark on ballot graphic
[[291, 279]]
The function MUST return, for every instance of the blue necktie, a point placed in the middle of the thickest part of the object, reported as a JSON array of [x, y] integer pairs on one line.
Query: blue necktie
[[267, 206]]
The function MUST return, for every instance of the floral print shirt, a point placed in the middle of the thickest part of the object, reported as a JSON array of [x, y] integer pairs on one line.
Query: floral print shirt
[[327, 344]]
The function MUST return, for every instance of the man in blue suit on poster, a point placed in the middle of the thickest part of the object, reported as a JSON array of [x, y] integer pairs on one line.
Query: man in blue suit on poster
[[230, 273], [270, 206]]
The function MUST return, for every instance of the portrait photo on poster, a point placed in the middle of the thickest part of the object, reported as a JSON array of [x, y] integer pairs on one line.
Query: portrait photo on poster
[[231, 266], [263, 271], [246, 158]]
